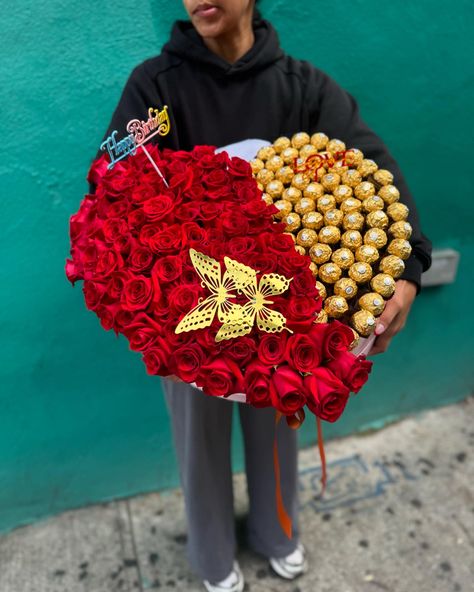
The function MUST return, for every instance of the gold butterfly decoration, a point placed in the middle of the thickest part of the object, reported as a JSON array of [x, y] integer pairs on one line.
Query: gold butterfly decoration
[[236, 319]]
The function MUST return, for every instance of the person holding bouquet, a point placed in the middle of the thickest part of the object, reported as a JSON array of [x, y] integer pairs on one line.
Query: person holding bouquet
[[225, 78]]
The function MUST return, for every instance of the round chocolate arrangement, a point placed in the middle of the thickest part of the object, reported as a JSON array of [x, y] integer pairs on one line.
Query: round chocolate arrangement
[[344, 212]]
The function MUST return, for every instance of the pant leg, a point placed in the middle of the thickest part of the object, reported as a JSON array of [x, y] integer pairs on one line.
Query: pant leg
[[264, 532], [202, 436]]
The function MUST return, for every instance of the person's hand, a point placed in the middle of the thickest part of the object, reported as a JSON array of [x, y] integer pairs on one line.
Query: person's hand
[[394, 317]]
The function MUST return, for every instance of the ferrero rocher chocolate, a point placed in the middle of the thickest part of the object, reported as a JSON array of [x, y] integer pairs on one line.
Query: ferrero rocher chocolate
[[373, 203], [281, 143], [367, 253], [351, 204], [322, 317], [333, 217], [319, 140], [267, 199], [383, 177], [301, 250], [289, 155], [292, 221], [375, 237], [351, 178], [354, 157], [372, 302], [342, 192], [329, 235], [266, 152], [313, 267], [353, 221], [345, 287], [389, 194], [377, 219], [291, 194], [306, 237], [392, 265], [313, 220], [384, 284], [363, 322], [307, 150], [257, 165], [360, 272], [397, 212], [329, 273], [299, 140], [399, 247], [274, 188], [284, 208], [343, 257], [335, 145], [401, 229], [325, 203], [304, 205], [352, 239], [330, 181], [314, 190], [321, 288], [264, 176], [320, 253], [367, 167], [363, 190], [274, 163], [300, 181], [336, 306], [285, 174]]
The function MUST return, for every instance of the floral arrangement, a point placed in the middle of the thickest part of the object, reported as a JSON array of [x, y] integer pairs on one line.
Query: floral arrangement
[[193, 269]]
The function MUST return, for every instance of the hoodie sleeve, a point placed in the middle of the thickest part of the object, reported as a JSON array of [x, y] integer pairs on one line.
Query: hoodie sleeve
[[335, 112]]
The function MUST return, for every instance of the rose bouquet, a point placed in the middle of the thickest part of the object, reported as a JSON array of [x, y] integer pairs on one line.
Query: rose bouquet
[[206, 286]]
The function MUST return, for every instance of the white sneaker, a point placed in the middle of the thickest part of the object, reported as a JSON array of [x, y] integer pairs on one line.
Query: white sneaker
[[234, 582], [291, 566]]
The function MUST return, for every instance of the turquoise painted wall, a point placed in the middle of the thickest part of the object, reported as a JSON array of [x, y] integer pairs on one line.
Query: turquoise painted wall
[[79, 419]]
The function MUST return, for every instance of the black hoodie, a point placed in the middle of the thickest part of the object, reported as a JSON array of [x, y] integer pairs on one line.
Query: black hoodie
[[265, 94]]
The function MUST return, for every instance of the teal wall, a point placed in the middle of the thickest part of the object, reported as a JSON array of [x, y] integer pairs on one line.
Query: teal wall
[[80, 421]]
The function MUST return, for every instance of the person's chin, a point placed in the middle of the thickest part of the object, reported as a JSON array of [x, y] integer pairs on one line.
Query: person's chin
[[209, 30]]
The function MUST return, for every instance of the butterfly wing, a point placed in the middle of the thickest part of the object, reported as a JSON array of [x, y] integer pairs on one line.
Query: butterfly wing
[[272, 284], [270, 321], [237, 275], [208, 269], [232, 330], [199, 317]]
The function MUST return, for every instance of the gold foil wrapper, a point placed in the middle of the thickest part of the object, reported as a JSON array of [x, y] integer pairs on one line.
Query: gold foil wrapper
[[289, 155], [375, 237], [336, 306], [342, 192], [314, 191], [392, 265], [345, 287], [363, 321], [320, 253], [360, 272], [264, 176], [256, 165], [274, 189], [367, 167], [306, 237], [333, 218], [266, 153], [372, 302], [351, 204], [384, 284], [377, 219], [354, 157], [267, 199], [352, 178], [285, 174], [371, 204], [383, 177], [353, 221], [343, 257], [321, 288], [304, 205], [307, 150], [397, 212], [300, 181], [284, 208], [335, 145], [313, 220], [300, 139], [329, 235], [330, 181], [325, 203], [292, 221], [329, 273], [299, 249], [314, 268], [281, 144], [401, 229], [291, 194], [363, 190], [399, 247], [389, 194], [319, 141], [322, 317], [367, 253], [351, 239], [274, 163]]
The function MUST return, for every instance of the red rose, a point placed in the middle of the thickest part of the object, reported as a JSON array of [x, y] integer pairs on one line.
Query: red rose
[[239, 167], [168, 269], [271, 349], [107, 262], [140, 259], [187, 212], [300, 312], [136, 219], [156, 358], [142, 332], [137, 293], [113, 228], [326, 395], [210, 210], [302, 353], [264, 262], [194, 235], [158, 207], [257, 384], [220, 377], [187, 361], [115, 285], [240, 245], [280, 244], [234, 223], [166, 240], [183, 298], [353, 371], [287, 391], [241, 350], [338, 339], [303, 283], [93, 293], [216, 179]]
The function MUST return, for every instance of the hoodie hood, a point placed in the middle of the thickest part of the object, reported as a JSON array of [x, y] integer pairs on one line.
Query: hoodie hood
[[186, 44]]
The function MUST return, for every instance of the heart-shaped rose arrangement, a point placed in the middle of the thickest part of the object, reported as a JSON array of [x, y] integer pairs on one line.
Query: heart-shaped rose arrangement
[[203, 282]]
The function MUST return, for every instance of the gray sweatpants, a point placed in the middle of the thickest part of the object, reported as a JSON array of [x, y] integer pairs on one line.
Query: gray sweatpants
[[202, 437]]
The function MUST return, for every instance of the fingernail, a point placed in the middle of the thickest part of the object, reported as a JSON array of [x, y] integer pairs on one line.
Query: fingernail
[[379, 329]]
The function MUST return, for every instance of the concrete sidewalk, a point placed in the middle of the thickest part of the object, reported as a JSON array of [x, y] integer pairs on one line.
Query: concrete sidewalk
[[398, 516]]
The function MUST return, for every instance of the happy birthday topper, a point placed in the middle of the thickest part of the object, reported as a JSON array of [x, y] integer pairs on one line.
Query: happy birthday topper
[[140, 132]]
